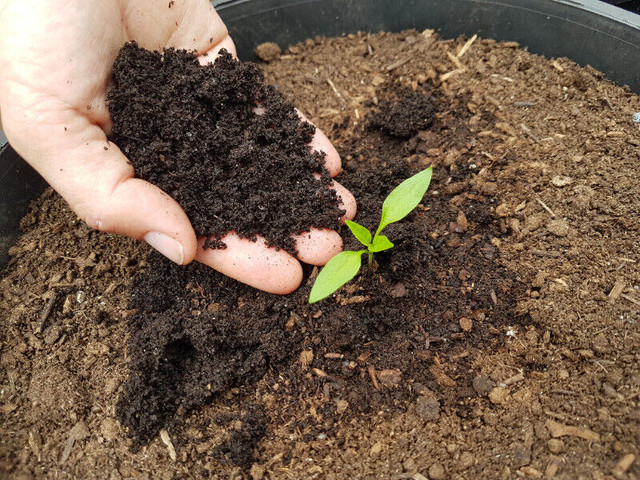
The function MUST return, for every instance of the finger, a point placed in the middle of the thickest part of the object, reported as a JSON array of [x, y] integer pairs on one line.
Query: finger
[[211, 55], [200, 27], [347, 202], [253, 263], [320, 143], [97, 180], [318, 246], [191, 25]]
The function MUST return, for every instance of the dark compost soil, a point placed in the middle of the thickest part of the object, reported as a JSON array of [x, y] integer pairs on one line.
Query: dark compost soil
[[498, 339], [193, 131]]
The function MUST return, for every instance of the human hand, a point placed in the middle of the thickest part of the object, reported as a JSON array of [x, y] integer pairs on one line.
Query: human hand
[[55, 68]]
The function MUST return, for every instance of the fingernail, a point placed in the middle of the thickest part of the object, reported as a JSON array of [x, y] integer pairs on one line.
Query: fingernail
[[167, 246]]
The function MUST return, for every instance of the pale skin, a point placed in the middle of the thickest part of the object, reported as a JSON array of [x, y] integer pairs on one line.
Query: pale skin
[[55, 64]]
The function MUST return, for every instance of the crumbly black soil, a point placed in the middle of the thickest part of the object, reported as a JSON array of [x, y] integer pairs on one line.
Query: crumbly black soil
[[193, 131], [404, 116]]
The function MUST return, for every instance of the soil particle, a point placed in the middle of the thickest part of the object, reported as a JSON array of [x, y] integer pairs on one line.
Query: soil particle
[[268, 52], [437, 472], [389, 377], [466, 324], [466, 460], [532, 472], [560, 430], [559, 228], [482, 384], [257, 472], [375, 449], [500, 395], [110, 429], [623, 465], [239, 446], [78, 433], [521, 456], [555, 445], [428, 408]]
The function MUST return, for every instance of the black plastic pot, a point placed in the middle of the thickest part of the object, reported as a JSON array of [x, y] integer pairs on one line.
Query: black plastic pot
[[586, 31]]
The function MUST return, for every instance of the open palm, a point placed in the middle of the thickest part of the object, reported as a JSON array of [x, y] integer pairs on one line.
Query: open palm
[[55, 67]]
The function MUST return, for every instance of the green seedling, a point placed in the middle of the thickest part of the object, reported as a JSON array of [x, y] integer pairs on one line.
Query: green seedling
[[344, 266]]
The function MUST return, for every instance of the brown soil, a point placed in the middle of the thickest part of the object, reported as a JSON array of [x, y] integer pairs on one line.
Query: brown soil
[[507, 312]]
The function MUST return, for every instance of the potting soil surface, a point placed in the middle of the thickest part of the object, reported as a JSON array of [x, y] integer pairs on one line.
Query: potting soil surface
[[498, 339]]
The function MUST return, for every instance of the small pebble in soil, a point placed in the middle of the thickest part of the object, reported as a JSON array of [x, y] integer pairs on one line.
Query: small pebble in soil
[[466, 460], [268, 52], [482, 384], [560, 228], [561, 181], [341, 406], [531, 472], [52, 334], [555, 445], [466, 324], [389, 377], [398, 291], [375, 449], [521, 456], [437, 472], [257, 471], [409, 465], [109, 428], [499, 395], [428, 408]]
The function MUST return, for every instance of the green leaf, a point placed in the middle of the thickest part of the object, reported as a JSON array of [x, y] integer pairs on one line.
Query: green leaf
[[404, 198], [338, 271], [361, 233], [380, 243]]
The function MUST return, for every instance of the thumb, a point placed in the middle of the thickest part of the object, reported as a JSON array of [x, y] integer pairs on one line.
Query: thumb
[[97, 180]]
